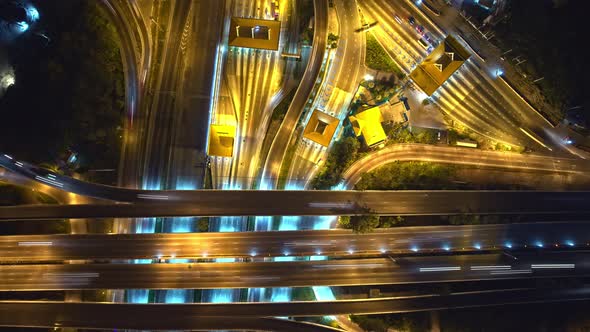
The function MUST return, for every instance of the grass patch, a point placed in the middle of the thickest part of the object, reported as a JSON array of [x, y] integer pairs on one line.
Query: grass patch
[[409, 175], [378, 59]]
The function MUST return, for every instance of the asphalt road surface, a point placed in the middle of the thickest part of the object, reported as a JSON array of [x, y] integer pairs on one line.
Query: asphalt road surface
[[279, 146], [314, 203], [189, 316], [348, 272], [256, 245], [465, 156]]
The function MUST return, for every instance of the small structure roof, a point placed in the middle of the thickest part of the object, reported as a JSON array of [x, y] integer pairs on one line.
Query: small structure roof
[[254, 33], [368, 124], [321, 127], [221, 140], [439, 65]]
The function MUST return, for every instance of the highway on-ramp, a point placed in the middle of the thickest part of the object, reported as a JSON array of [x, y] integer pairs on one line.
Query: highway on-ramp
[[256, 245], [465, 156], [278, 148]]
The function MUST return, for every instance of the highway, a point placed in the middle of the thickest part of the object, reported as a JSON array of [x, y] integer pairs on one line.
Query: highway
[[136, 53], [187, 316], [157, 137], [200, 51], [347, 272], [316, 203], [258, 245], [279, 146], [252, 79], [337, 90], [465, 156], [54, 319]]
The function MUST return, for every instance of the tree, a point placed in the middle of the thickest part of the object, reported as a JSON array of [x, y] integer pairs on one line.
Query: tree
[[203, 224], [364, 223], [342, 154], [332, 38]]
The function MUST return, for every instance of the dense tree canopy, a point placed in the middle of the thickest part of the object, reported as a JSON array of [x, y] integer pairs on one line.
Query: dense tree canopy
[[70, 93]]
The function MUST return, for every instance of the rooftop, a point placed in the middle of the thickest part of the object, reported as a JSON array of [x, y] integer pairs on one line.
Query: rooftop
[[221, 140], [254, 33], [321, 127], [439, 65], [368, 124]]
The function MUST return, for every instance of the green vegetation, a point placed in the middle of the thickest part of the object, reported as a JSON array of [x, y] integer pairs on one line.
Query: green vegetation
[[333, 40], [367, 223], [17, 195], [71, 93], [278, 114], [203, 224], [377, 92], [305, 12], [411, 322], [287, 160], [408, 176], [454, 135], [302, 294], [553, 51], [342, 154], [378, 59], [399, 133]]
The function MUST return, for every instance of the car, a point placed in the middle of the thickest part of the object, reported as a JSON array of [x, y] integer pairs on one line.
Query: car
[[399, 20], [411, 20], [420, 30]]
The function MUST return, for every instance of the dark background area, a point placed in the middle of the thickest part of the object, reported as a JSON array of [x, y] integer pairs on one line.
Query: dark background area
[[551, 36], [68, 93]]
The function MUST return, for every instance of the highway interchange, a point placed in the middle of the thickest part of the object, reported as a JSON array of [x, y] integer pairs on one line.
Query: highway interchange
[[186, 77]]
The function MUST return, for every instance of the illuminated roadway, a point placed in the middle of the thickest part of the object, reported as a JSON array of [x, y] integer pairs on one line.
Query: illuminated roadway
[[348, 272], [317, 203], [474, 96], [464, 156], [134, 39], [336, 242], [189, 315], [52, 318], [278, 148], [337, 91]]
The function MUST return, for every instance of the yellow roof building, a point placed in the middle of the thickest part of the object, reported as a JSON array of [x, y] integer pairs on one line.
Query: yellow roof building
[[221, 140], [439, 65], [321, 127], [368, 124], [254, 33]]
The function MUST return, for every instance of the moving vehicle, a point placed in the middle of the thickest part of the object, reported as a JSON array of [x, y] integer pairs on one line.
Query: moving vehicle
[[411, 20], [420, 30]]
